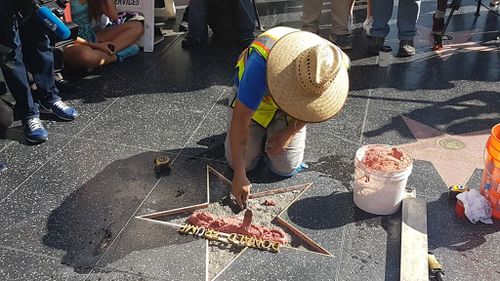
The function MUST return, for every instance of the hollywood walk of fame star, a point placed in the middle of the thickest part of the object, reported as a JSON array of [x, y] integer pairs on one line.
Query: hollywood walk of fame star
[[455, 157], [460, 41], [301, 238]]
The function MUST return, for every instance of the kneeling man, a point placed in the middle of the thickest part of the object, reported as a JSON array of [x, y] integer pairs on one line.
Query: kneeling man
[[285, 79]]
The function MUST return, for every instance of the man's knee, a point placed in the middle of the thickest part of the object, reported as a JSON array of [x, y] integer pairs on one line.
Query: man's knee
[[285, 166]]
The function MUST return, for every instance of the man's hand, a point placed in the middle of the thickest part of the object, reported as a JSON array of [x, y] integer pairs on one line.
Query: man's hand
[[279, 141], [241, 190]]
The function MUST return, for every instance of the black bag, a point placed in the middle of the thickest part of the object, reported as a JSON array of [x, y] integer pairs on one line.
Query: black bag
[[223, 20]]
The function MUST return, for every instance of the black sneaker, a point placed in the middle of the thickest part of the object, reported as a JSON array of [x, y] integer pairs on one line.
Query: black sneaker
[[406, 48], [341, 40], [374, 45], [190, 42]]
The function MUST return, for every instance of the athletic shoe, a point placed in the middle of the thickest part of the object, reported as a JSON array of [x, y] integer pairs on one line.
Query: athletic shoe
[[128, 52], [342, 41], [60, 109], [437, 24], [406, 48], [34, 131]]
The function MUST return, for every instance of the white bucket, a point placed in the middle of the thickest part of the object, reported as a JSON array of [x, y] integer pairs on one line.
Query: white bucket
[[378, 192]]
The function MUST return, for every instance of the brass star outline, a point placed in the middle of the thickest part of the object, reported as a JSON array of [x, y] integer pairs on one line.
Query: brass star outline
[[454, 164], [318, 249]]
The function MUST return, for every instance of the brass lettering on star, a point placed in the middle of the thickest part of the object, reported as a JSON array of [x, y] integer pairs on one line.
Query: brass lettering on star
[[232, 238]]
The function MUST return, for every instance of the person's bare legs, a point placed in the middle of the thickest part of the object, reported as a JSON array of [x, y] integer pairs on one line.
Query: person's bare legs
[[122, 35], [80, 56]]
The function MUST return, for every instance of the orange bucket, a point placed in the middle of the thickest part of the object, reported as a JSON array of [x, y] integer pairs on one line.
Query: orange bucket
[[494, 199], [490, 184]]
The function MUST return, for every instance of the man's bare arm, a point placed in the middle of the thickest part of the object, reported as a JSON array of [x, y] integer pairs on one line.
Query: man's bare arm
[[238, 139]]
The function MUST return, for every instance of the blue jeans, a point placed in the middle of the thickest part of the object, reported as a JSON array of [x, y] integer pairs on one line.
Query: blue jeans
[[32, 53], [408, 11], [198, 11]]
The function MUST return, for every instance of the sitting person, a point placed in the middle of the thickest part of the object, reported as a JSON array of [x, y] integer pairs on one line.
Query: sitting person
[[227, 19], [30, 44], [96, 46]]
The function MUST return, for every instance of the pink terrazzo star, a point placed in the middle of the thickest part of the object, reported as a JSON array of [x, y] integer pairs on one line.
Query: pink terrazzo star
[[461, 41], [455, 157]]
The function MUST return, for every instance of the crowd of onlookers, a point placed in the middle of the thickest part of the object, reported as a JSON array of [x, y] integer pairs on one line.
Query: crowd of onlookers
[[106, 36]]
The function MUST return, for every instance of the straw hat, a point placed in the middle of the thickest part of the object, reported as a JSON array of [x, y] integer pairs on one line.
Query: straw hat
[[307, 77]]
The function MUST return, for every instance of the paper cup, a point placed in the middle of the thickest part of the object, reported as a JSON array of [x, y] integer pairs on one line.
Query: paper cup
[[384, 56]]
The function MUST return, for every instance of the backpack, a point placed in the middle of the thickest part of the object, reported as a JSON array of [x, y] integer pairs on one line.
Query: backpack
[[223, 20]]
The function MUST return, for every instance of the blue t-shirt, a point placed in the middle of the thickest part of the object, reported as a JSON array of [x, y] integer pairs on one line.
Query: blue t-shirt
[[252, 88]]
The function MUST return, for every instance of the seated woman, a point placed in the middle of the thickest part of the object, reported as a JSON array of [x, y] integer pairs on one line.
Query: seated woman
[[96, 46]]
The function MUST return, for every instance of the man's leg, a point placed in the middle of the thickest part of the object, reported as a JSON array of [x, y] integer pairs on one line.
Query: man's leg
[[438, 17], [382, 13], [39, 58], [311, 14], [408, 12], [198, 28], [246, 21], [15, 76], [289, 161], [341, 10]]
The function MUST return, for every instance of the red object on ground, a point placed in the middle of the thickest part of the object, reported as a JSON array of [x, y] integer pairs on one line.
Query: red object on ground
[[67, 13], [459, 209], [234, 225], [386, 159], [269, 202]]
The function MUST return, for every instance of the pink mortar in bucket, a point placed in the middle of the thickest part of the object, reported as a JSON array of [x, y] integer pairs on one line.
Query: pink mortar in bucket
[[381, 173]]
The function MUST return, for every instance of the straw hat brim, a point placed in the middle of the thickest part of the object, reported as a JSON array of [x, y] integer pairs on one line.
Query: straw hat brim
[[287, 92]]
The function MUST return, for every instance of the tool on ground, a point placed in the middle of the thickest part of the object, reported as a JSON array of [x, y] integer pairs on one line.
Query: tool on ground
[[435, 268], [414, 248], [162, 165], [456, 189]]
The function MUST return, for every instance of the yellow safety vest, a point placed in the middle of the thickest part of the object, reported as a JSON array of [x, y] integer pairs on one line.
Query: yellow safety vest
[[262, 44]]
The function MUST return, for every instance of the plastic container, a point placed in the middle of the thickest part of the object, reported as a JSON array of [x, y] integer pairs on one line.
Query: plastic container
[[378, 192], [494, 199], [490, 183], [384, 56]]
